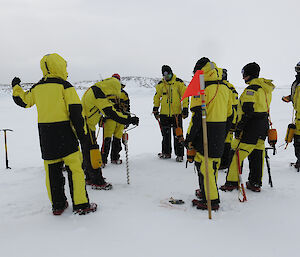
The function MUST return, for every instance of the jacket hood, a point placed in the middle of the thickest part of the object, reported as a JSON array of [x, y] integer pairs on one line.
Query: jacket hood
[[212, 72], [110, 87], [54, 66], [266, 84]]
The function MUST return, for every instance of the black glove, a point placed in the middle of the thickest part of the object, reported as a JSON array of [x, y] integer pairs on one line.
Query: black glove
[[185, 112], [15, 81], [287, 99], [134, 120], [155, 112]]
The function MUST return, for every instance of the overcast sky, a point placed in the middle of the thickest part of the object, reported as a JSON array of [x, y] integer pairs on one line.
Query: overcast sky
[[135, 37]]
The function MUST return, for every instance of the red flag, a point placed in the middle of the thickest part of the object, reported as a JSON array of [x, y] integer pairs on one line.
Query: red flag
[[194, 86]]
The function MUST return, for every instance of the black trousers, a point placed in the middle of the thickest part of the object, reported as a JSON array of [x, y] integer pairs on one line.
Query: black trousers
[[168, 124], [256, 166], [116, 148], [297, 147]]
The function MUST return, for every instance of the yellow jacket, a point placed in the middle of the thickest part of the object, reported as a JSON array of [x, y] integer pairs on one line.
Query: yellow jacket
[[235, 100], [96, 102], [58, 106], [168, 95], [218, 99], [253, 110], [124, 101]]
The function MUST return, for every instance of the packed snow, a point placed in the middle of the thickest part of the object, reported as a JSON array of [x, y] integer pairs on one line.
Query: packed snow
[[136, 220]]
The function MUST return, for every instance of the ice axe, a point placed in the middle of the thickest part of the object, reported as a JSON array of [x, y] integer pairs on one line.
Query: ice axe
[[268, 165], [5, 144]]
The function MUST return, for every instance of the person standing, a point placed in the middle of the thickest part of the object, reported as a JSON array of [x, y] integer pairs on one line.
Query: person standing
[[251, 129], [228, 152], [169, 92], [112, 130], [218, 99], [60, 125], [294, 97], [96, 104]]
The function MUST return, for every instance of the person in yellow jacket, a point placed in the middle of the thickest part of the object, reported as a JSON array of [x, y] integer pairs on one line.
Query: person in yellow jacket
[[113, 129], [96, 104], [169, 92], [252, 128], [294, 97], [228, 152], [218, 99], [60, 125]]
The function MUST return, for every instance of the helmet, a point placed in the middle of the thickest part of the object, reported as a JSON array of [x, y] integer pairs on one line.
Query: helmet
[[117, 76], [297, 67]]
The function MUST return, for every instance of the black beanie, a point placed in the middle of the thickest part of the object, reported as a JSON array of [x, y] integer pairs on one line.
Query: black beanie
[[224, 74], [251, 69], [201, 63], [166, 68]]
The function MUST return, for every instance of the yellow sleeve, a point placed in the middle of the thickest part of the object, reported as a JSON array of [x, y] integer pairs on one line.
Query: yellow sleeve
[[157, 96], [297, 102], [22, 98], [106, 107], [185, 102]]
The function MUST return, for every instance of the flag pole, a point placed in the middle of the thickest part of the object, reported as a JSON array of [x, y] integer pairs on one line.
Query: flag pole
[[205, 141]]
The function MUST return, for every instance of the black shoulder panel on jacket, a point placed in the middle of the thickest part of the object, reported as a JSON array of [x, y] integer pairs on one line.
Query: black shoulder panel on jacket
[[122, 90], [65, 83], [98, 93], [18, 100], [180, 80], [159, 82], [215, 82], [254, 87]]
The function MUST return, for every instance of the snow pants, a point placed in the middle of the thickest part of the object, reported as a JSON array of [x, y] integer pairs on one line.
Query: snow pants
[[94, 176], [255, 154], [115, 130], [213, 165], [168, 124], [227, 153], [55, 181]]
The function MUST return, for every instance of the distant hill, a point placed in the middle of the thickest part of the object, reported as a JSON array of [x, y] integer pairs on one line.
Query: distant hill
[[130, 81]]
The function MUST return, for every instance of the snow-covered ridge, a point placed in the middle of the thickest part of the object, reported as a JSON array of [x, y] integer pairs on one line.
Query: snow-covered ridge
[[129, 81]]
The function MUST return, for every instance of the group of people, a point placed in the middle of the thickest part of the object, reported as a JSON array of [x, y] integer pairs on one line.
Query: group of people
[[67, 127], [64, 120], [237, 127]]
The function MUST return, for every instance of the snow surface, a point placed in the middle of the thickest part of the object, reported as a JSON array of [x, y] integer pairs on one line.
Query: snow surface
[[134, 220]]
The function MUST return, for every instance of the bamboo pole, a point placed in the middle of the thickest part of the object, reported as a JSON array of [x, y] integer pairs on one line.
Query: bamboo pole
[[205, 141]]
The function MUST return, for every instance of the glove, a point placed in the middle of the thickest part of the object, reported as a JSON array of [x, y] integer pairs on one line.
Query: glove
[[15, 81], [155, 112], [185, 113], [286, 99], [134, 120]]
